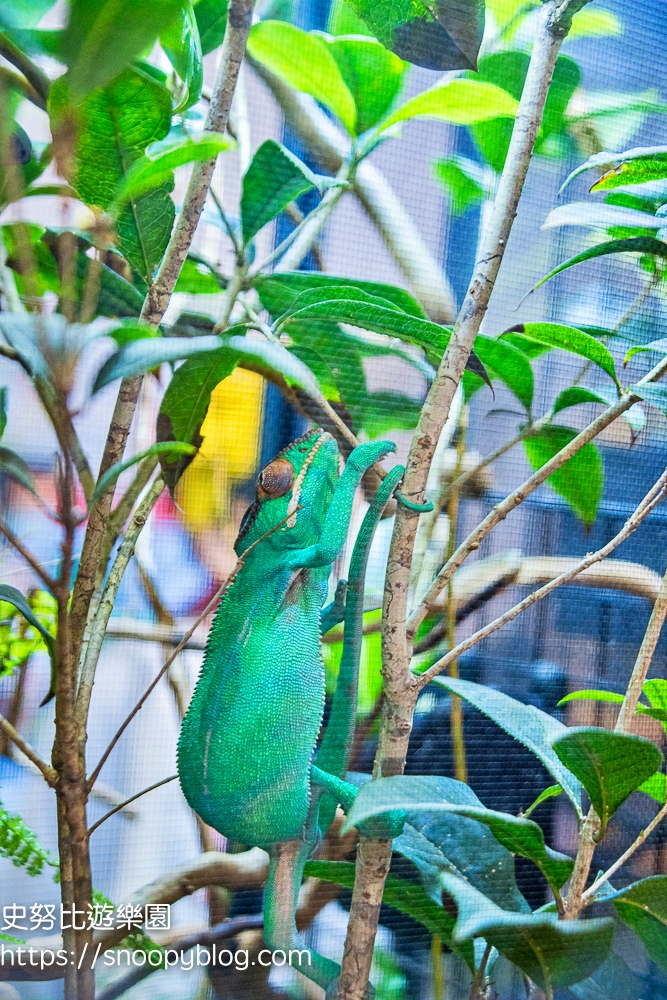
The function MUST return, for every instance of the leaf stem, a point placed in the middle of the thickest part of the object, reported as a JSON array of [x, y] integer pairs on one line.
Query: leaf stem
[[644, 658]]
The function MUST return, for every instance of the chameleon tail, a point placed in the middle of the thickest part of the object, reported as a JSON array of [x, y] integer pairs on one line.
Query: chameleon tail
[[336, 748], [287, 861]]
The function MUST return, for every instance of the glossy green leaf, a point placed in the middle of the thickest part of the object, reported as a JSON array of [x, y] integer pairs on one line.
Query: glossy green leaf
[[441, 36], [531, 348], [161, 448], [13, 596], [655, 786], [549, 793], [460, 102], [156, 167], [463, 180], [568, 338], [372, 74], [610, 765], [527, 724], [574, 395], [639, 170], [590, 694], [552, 952], [211, 18], [405, 896], [509, 364], [17, 468], [581, 480], [185, 405], [303, 61], [642, 906], [274, 178], [520, 836], [635, 244], [600, 216], [181, 44], [279, 291], [117, 123], [605, 159], [102, 39]]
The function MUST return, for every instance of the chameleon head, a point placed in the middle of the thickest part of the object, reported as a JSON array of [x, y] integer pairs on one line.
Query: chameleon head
[[297, 485]]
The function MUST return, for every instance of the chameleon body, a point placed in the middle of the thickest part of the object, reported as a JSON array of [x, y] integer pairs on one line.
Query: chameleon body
[[248, 740]]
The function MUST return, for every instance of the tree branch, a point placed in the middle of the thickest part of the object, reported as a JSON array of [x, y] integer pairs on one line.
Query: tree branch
[[48, 772], [126, 802], [32, 560], [644, 658], [590, 892], [650, 501]]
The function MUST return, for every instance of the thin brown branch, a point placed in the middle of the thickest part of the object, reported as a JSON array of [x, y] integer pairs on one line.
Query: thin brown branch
[[48, 772], [635, 845], [126, 802], [209, 607], [18, 82], [33, 74], [644, 658], [649, 503], [25, 552]]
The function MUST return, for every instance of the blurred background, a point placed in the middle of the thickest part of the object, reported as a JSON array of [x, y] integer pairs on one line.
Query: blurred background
[[583, 636]]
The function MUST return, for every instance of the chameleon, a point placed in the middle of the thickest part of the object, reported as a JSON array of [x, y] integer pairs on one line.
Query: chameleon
[[248, 757]]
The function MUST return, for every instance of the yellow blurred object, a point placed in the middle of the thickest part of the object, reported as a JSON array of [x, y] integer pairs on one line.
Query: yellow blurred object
[[229, 453]]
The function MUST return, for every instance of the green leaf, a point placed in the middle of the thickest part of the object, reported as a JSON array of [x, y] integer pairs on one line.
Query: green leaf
[[278, 292], [655, 691], [102, 39], [509, 364], [156, 168], [581, 480], [655, 345], [576, 394], [373, 76], [389, 411], [13, 465], [552, 952], [197, 278], [610, 765], [185, 405], [568, 338], [642, 906], [531, 348], [527, 724], [212, 20], [656, 787], [594, 23], [116, 125], [3, 409], [20, 844], [405, 896], [441, 36], [635, 244], [181, 44], [549, 793], [463, 181], [13, 596], [274, 178], [589, 694], [161, 448], [460, 102], [605, 159], [520, 836], [303, 61], [655, 395], [637, 170], [600, 216]]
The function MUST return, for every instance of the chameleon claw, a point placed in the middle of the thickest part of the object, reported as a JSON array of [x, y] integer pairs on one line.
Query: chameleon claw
[[419, 508]]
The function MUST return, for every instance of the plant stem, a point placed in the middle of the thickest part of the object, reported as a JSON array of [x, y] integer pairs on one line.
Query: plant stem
[[400, 689], [126, 802], [36, 77], [48, 772], [456, 712], [477, 988], [644, 658], [29, 557], [590, 892]]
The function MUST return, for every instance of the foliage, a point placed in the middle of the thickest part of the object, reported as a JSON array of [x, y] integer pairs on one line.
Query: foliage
[[20, 844]]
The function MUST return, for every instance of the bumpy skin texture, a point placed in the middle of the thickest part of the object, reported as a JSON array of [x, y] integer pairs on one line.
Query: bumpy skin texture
[[248, 737]]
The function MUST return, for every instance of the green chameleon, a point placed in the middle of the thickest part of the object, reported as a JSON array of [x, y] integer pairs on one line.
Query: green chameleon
[[247, 756]]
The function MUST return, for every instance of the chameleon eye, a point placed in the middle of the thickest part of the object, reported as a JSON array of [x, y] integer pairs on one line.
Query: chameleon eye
[[276, 478]]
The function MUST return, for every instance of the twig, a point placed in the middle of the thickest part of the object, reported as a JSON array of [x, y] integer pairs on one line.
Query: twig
[[32, 560], [611, 871], [211, 604], [650, 501], [18, 82], [48, 772], [644, 658], [33, 74], [105, 607], [126, 802]]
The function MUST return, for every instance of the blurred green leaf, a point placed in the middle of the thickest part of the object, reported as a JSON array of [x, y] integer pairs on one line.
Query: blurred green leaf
[[642, 906], [373, 76], [441, 36], [20, 844], [463, 181], [610, 765], [102, 39], [600, 216], [509, 364], [655, 786], [655, 395], [197, 278], [13, 596], [185, 405], [305, 62], [527, 724], [636, 244], [574, 395], [181, 44], [590, 694], [274, 178], [3, 409], [13, 465], [568, 338], [161, 448], [594, 23], [116, 124], [212, 20], [460, 102], [278, 292], [580, 481]]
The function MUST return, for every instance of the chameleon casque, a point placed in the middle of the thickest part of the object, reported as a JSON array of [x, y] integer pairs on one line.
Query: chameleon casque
[[247, 757]]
